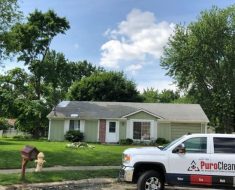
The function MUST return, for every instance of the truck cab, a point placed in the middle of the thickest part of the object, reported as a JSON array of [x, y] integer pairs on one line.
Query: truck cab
[[192, 160]]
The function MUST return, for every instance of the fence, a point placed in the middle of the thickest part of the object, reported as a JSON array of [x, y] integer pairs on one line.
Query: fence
[[11, 133]]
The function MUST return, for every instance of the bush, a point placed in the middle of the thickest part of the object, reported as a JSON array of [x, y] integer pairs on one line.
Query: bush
[[126, 141], [22, 137], [4, 124], [161, 141], [74, 136]]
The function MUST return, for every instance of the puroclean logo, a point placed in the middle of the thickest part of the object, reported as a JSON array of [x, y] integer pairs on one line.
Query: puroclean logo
[[217, 166], [193, 167]]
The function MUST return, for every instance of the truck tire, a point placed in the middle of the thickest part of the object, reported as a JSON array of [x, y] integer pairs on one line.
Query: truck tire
[[150, 180]]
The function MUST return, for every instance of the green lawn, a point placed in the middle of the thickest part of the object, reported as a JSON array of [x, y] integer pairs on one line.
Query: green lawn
[[56, 153], [9, 179]]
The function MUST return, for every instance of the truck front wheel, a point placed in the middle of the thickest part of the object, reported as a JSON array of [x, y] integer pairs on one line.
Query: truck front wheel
[[150, 180]]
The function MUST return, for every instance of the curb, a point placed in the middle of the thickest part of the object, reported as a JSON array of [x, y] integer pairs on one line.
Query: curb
[[62, 168]]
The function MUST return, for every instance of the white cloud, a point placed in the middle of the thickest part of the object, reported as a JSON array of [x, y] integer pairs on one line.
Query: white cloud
[[134, 68], [135, 39]]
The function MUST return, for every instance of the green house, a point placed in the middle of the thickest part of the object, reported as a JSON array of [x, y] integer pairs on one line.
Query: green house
[[108, 122]]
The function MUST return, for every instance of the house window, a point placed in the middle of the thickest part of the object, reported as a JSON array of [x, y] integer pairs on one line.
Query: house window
[[74, 125], [141, 130], [112, 127]]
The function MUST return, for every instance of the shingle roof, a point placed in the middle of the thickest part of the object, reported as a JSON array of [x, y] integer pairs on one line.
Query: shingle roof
[[111, 110]]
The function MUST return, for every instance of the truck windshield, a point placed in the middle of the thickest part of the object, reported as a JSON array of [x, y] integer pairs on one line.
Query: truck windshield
[[167, 146]]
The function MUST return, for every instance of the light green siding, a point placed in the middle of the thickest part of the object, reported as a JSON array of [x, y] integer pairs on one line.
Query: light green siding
[[91, 130], [164, 131], [57, 130], [142, 115], [179, 129], [122, 130]]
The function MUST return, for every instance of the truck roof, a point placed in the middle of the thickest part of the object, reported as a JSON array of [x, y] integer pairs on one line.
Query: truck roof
[[212, 135]]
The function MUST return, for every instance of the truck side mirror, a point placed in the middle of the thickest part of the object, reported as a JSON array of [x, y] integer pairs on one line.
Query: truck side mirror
[[180, 149]]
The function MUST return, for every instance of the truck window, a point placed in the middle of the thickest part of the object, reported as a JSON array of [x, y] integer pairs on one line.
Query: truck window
[[224, 145], [166, 147], [196, 145]]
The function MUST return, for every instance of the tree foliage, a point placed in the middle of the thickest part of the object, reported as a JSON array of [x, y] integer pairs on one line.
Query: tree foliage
[[150, 95], [166, 96], [104, 86], [200, 57], [32, 41], [4, 125], [9, 15], [59, 74]]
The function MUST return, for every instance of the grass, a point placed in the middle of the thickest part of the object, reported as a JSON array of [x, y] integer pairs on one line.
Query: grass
[[9, 179], [56, 153]]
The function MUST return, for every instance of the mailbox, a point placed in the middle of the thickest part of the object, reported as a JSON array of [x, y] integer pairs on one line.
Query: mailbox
[[29, 153]]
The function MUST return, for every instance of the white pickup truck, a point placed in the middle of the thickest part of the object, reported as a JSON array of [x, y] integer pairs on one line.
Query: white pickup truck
[[192, 160]]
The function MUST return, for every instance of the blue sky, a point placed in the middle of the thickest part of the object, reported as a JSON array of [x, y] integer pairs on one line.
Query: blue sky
[[121, 35]]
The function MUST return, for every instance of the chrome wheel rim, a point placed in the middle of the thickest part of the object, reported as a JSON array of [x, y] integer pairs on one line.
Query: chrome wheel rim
[[152, 183]]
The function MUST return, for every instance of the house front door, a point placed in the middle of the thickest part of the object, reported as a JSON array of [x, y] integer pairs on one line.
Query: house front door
[[112, 131]]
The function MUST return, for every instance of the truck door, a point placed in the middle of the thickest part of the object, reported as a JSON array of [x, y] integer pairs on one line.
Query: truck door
[[223, 161], [186, 168]]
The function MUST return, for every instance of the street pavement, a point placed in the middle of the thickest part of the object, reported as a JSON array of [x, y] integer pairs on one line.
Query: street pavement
[[87, 184]]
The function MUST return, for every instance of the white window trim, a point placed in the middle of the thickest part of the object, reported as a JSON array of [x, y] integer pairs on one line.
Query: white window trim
[[153, 128], [66, 125], [82, 126], [49, 131]]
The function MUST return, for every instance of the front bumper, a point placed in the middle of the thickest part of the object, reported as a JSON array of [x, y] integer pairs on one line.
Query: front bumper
[[126, 173]]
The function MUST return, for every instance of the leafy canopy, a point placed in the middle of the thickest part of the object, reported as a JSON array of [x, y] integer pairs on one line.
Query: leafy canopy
[[9, 15], [200, 57], [104, 86]]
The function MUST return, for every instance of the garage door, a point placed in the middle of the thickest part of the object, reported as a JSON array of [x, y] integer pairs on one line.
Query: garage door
[[180, 129]]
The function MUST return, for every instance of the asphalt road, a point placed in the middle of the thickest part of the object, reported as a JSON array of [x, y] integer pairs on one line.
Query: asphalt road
[[127, 186], [89, 184]]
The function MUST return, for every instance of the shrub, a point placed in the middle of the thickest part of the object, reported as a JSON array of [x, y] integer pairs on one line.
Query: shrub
[[3, 124], [161, 141], [126, 141], [74, 136], [22, 137]]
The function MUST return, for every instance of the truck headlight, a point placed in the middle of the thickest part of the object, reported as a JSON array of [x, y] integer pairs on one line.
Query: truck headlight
[[126, 158]]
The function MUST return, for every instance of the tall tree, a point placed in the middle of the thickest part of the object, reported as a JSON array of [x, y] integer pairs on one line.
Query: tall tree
[[104, 86], [81, 69], [13, 85], [56, 76], [200, 57], [32, 41], [17, 100], [59, 74], [9, 15]]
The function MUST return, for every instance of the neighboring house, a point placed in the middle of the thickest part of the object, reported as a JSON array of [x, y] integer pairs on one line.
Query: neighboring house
[[112, 121]]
